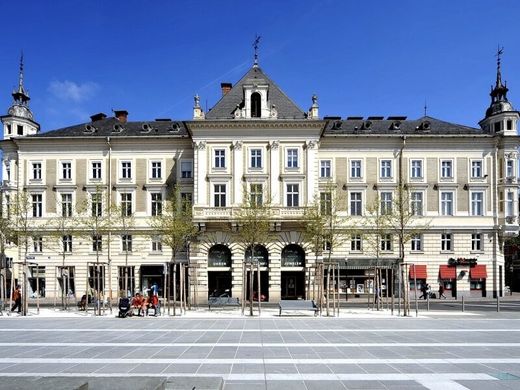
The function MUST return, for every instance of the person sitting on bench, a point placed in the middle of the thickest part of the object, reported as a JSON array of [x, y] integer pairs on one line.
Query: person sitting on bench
[[137, 303]]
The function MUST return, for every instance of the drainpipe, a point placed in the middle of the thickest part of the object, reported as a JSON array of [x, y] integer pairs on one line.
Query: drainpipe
[[109, 181], [496, 227]]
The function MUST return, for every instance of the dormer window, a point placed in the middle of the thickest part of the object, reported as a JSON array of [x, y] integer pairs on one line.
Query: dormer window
[[20, 129], [256, 105], [497, 126]]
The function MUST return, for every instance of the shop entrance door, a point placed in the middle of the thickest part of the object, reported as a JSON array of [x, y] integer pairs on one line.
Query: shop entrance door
[[293, 285]]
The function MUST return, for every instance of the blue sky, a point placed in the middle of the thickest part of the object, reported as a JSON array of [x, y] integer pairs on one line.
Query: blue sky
[[359, 57]]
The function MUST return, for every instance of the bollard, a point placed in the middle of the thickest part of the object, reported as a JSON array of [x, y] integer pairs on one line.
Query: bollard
[[463, 303], [498, 303], [428, 302]]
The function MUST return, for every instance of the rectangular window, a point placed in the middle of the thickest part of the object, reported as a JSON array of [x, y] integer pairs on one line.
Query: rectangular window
[[292, 158], [97, 243], [446, 203], [66, 205], [219, 195], [96, 201], [417, 171], [417, 203], [37, 205], [293, 195], [156, 170], [187, 200], [327, 246], [416, 243], [38, 244], [220, 158], [19, 129], [476, 169], [96, 170], [386, 242], [156, 208], [325, 168], [156, 244], [510, 201], [186, 169], [476, 242], [355, 242], [256, 158], [126, 204], [356, 203], [326, 203], [477, 203], [126, 242], [510, 168], [36, 171], [355, 169], [446, 169], [509, 124], [256, 195], [126, 170], [386, 169], [386, 203], [9, 128], [446, 242], [66, 170], [67, 243]]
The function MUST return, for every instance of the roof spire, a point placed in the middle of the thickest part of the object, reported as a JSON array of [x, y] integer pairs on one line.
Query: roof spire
[[500, 50], [20, 96], [425, 107], [499, 93], [255, 46]]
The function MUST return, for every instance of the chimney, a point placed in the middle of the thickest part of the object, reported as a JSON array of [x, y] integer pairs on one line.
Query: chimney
[[226, 87], [97, 117], [121, 115]]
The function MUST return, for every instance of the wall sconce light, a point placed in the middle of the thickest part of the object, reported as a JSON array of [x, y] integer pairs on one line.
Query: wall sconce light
[[374, 187], [435, 187], [466, 187]]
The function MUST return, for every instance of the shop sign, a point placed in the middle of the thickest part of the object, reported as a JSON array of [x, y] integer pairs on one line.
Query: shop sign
[[292, 259], [462, 261], [219, 258]]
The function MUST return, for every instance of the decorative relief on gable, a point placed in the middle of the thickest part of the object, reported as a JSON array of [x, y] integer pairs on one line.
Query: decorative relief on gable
[[237, 145], [311, 144], [274, 145], [200, 145]]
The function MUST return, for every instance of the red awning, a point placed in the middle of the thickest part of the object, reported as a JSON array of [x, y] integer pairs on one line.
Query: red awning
[[418, 271], [448, 272], [478, 272]]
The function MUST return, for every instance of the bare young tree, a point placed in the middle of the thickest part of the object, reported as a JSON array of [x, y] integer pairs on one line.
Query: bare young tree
[[7, 234], [326, 230], [59, 232], [253, 220], [96, 225], [175, 228]]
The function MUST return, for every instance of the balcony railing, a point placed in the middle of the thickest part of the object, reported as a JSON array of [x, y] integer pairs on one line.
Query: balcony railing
[[234, 212]]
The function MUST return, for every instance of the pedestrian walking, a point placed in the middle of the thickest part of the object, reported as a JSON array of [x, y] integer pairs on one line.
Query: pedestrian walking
[[441, 291], [424, 290], [17, 298]]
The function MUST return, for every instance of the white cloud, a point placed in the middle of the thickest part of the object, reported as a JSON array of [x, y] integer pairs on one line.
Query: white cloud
[[69, 90]]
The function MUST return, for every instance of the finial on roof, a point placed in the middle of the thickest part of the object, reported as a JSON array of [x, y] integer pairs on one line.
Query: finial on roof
[[425, 107], [500, 50], [20, 95], [196, 98], [255, 46]]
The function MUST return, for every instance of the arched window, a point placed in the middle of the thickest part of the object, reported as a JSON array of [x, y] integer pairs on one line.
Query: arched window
[[293, 256], [261, 255], [219, 256], [256, 105]]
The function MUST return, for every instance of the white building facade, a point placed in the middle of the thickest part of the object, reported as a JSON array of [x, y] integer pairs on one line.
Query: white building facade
[[462, 183]]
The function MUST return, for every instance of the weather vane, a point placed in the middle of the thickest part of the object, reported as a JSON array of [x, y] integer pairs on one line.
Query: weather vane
[[500, 51], [255, 46]]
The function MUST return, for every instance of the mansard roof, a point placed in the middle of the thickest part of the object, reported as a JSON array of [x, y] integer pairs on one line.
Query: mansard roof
[[226, 106], [396, 125], [112, 127]]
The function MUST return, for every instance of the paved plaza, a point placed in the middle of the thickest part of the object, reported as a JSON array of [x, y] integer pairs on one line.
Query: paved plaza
[[360, 350]]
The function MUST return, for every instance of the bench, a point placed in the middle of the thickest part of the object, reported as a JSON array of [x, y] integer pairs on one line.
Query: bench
[[222, 302], [298, 305]]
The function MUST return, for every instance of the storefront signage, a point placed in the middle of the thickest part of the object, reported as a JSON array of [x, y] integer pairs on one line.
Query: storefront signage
[[462, 261], [293, 258], [219, 258]]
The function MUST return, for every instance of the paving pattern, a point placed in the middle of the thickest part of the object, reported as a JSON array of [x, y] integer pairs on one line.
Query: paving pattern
[[443, 352]]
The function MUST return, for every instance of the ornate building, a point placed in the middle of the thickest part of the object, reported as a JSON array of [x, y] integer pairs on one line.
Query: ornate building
[[462, 183]]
